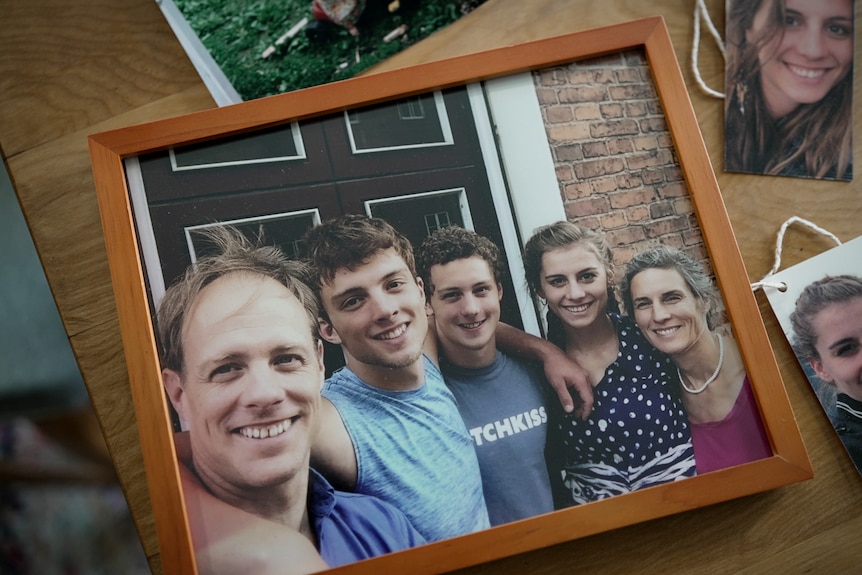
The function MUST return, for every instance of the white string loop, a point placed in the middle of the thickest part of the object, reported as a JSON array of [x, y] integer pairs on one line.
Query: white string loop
[[700, 11], [779, 248]]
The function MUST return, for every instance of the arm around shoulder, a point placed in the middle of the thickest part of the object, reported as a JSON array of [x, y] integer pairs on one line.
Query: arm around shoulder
[[566, 377]]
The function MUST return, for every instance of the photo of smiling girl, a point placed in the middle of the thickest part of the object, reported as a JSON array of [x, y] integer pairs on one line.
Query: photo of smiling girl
[[818, 303], [789, 88], [637, 435], [827, 334]]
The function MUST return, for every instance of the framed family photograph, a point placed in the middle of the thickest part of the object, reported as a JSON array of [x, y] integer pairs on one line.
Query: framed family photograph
[[429, 318]]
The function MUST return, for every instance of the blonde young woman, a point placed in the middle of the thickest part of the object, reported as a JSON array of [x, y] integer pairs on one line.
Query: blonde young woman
[[637, 435], [674, 304]]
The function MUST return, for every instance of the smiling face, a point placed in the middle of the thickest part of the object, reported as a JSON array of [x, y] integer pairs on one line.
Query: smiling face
[[811, 53], [839, 345], [575, 284], [666, 311], [250, 390], [466, 305], [377, 313]]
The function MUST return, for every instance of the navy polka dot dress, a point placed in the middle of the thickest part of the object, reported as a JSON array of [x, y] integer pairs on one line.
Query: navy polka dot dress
[[638, 433]]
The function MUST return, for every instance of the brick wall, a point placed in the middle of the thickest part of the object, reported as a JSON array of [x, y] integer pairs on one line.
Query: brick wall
[[614, 157]]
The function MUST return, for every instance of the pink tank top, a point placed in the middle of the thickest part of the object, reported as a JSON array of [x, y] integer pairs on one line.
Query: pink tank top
[[738, 438]]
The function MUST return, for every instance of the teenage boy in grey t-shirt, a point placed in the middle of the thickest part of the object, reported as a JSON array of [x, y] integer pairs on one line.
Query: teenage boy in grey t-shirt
[[502, 400]]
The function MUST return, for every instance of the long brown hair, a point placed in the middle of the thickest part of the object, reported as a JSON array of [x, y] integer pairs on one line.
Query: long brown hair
[[816, 136]]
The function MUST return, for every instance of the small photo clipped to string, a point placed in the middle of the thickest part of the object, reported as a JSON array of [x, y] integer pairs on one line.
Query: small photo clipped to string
[[789, 88], [818, 303]]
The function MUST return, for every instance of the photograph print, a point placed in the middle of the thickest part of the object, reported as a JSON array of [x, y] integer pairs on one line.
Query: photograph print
[[789, 88], [820, 312]]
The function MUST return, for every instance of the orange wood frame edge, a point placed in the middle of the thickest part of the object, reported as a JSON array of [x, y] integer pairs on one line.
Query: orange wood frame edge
[[108, 150]]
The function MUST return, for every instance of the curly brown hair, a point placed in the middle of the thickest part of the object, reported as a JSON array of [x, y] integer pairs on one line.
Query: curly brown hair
[[454, 243], [348, 241]]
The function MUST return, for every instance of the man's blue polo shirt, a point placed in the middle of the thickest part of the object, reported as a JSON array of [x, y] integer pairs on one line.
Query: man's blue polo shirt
[[351, 527]]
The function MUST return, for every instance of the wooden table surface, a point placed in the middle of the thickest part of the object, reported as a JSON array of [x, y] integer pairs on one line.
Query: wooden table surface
[[69, 69]]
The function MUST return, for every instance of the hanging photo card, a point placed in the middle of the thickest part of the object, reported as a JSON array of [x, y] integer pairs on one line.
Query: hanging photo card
[[819, 307], [789, 88]]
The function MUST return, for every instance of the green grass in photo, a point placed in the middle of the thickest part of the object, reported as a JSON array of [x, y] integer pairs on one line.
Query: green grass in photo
[[238, 32]]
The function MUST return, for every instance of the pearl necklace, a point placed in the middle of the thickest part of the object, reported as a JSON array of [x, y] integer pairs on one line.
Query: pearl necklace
[[711, 377]]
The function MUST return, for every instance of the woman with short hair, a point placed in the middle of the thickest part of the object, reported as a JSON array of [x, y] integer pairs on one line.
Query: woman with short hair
[[675, 305]]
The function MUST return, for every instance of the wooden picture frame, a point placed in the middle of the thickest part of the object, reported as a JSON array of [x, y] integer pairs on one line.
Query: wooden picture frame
[[692, 184]]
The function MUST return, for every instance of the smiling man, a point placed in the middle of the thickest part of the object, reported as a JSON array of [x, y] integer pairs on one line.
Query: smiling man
[[502, 400], [243, 368]]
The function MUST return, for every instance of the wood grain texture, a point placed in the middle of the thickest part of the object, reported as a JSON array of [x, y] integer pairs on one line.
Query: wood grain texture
[[61, 209], [69, 65], [71, 69], [142, 361]]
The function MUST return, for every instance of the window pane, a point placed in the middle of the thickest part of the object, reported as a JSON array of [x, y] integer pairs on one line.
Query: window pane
[[284, 231], [409, 122], [415, 216], [282, 143]]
